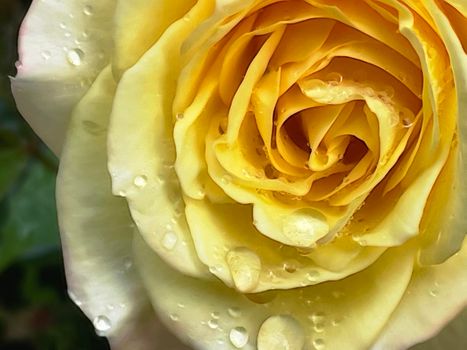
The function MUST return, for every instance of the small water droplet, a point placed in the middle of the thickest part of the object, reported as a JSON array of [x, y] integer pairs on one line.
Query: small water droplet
[[46, 55], [318, 344], [18, 64], [234, 312], [245, 267], [281, 332], [88, 10], [169, 240], [102, 324], [75, 57], [215, 315], [334, 78], [434, 292], [122, 193], [127, 263], [317, 317], [140, 181], [179, 116], [213, 324], [312, 276], [336, 322], [226, 179], [74, 298], [63, 25], [319, 327], [181, 305], [238, 337], [174, 317], [290, 266]]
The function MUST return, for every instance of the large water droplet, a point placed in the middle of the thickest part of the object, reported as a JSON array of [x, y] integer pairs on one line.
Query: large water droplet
[[75, 57], [102, 324], [169, 240], [245, 267], [304, 227], [281, 332], [238, 337]]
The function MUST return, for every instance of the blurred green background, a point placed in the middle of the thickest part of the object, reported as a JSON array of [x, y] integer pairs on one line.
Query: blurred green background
[[35, 311]]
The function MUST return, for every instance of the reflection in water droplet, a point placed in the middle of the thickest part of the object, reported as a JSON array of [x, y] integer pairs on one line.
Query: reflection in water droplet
[[245, 267], [238, 337], [101, 323], [281, 332], [75, 57], [140, 181]]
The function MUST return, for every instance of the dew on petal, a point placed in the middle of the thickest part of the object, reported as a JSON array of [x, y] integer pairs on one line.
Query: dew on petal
[[317, 317], [318, 344], [238, 337], [213, 324], [140, 181], [245, 267], [88, 10], [281, 332], [75, 57], [304, 227], [234, 312], [169, 240], [102, 324]]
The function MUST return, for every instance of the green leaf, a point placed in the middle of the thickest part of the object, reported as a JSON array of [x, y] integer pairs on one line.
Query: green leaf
[[30, 226]]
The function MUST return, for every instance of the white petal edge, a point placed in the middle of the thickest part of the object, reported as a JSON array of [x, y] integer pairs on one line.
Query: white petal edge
[[96, 229], [63, 45]]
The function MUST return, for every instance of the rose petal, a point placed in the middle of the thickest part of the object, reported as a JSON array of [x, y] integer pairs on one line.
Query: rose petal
[[141, 150], [96, 228], [434, 296], [62, 48], [345, 314]]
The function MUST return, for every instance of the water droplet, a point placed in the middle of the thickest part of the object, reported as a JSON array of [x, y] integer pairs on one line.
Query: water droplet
[[74, 298], [406, 117], [226, 179], [334, 78], [75, 57], [304, 227], [18, 64], [290, 266], [317, 317], [46, 55], [215, 315], [140, 181], [318, 344], [245, 267], [319, 327], [215, 269], [174, 317], [127, 263], [63, 25], [169, 240], [213, 324], [281, 332], [179, 116], [122, 193], [336, 322], [102, 323], [238, 337], [312, 276], [88, 10], [234, 312], [181, 305], [434, 292]]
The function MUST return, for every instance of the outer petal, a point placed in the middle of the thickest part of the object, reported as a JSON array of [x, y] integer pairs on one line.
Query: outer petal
[[434, 296], [63, 45], [346, 314], [141, 151], [97, 229]]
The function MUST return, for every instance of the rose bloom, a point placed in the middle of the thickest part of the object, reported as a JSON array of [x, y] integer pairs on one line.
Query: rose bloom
[[275, 174]]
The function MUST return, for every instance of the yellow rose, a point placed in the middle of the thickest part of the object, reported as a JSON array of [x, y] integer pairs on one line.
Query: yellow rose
[[292, 171]]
